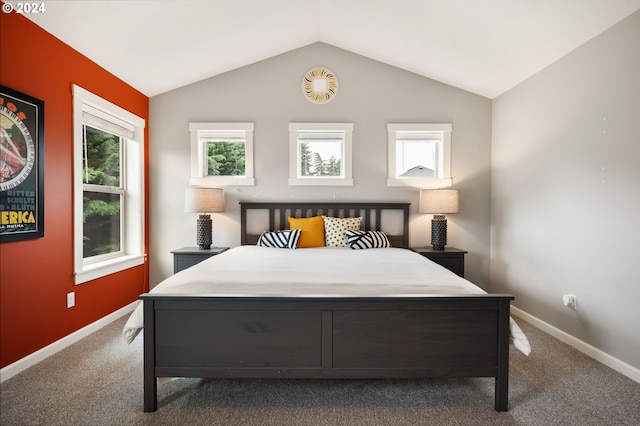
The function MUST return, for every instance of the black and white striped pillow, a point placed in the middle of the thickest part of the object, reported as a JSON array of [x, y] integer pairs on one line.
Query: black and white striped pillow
[[367, 239], [280, 239]]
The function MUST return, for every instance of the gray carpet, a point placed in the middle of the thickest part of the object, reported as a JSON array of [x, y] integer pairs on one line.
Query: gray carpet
[[98, 381]]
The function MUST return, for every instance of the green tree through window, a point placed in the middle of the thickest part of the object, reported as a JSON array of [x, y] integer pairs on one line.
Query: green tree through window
[[225, 158], [305, 159], [102, 195]]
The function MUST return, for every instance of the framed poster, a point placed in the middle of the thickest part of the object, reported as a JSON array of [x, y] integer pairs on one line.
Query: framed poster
[[21, 166]]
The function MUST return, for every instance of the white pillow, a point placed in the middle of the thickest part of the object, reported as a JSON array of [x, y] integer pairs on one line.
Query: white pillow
[[335, 227]]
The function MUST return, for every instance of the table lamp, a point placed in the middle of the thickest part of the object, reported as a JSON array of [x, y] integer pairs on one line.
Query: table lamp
[[204, 201], [439, 202]]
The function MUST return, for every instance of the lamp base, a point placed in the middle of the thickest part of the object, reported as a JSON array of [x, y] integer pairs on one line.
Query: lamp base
[[438, 232], [203, 231]]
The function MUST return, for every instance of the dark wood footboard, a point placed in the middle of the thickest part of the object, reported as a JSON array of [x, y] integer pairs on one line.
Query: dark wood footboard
[[333, 337]]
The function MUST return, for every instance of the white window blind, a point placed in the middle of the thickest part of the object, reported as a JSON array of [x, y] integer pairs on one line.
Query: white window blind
[[103, 121]]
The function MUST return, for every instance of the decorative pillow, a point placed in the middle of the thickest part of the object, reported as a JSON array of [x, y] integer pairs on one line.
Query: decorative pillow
[[335, 227], [367, 239], [312, 230], [280, 239]]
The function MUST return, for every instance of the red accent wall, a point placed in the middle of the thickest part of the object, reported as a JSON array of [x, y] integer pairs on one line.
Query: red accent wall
[[37, 274]]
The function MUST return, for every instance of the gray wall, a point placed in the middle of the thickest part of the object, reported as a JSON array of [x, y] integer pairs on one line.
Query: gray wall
[[268, 93], [566, 192]]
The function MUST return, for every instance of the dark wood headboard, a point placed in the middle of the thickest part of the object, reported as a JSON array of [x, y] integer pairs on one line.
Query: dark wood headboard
[[371, 214]]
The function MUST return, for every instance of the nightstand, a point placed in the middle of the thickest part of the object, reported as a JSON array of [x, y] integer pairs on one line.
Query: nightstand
[[451, 257], [188, 256]]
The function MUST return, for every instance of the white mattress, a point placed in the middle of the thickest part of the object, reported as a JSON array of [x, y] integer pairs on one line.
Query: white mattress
[[252, 270]]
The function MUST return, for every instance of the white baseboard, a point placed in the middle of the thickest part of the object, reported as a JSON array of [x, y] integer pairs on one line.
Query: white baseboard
[[30, 360], [595, 353]]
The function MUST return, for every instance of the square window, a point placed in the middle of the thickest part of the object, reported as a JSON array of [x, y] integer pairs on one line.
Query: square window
[[225, 158], [320, 154], [221, 154], [419, 155]]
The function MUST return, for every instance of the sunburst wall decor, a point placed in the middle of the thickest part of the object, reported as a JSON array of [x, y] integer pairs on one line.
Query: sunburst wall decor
[[320, 85]]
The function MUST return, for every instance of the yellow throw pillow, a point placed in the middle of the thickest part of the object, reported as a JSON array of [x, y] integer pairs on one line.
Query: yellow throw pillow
[[312, 234]]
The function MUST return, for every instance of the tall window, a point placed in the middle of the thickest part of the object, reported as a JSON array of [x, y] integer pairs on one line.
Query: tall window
[[102, 193], [419, 155], [221, 154], [320, 153], [109, 189]]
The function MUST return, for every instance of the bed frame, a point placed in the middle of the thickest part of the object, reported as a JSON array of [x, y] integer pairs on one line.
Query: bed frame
[[326, 337]]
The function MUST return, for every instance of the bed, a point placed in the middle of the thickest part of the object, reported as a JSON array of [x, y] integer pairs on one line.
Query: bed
[[266, 319]]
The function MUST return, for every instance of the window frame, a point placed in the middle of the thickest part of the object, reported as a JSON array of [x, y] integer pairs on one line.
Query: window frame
[[132, 229], [346, 178], [199, 131], [445, 160]]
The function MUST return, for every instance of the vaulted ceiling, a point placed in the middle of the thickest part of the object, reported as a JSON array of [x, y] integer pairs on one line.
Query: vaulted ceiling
[[483, 46]]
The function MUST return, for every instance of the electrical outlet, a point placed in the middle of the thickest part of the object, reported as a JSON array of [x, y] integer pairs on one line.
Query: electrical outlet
[[71, 299], [570, 301]]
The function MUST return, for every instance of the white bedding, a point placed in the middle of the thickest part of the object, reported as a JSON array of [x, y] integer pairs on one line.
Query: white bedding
[[252, 270]]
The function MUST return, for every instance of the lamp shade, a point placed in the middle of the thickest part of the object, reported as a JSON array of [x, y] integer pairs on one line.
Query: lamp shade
[[439, 201], [203, 200]]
